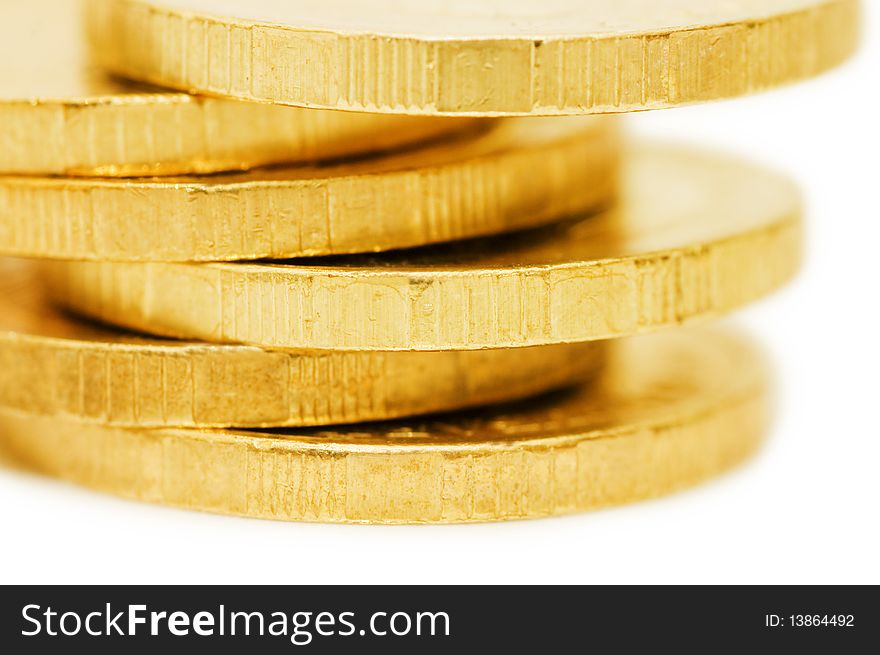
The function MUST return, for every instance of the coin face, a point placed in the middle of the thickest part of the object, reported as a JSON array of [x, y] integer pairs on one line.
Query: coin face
[[476, 58], [513, 174], [61, 114], [56, 366], [693, 235], [493, 18], [668, 411]]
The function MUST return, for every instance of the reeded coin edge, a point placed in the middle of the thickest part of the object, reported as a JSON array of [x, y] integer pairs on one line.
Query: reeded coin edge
[[208, 385], [290, 479], [513, 76], [343, 210], [508, 307], [165, 134]]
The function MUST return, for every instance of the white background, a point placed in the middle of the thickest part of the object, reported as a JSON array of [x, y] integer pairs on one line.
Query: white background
[[804, 511]]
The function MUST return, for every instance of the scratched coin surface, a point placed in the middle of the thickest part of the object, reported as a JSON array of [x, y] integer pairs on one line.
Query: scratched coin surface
[[54, 365], [478, 58], [516, 173], [60, 114], [669, 411], [694, 235]]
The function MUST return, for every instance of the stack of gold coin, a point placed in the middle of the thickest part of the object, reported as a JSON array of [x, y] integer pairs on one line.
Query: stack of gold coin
[[323, 261]]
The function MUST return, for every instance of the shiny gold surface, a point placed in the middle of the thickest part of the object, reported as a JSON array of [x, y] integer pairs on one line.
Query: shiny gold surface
[[695, 235], [466, 57], [518, 173], [669, 411], [61, 115], [53, 365]]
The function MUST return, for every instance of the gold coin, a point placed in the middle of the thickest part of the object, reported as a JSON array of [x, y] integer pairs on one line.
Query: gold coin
[[669, 411], [59, 114], [520, 173], [52, 365], [694, 235], [478, 58]]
